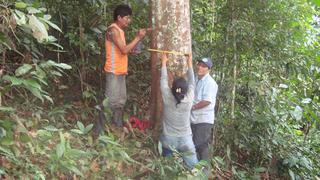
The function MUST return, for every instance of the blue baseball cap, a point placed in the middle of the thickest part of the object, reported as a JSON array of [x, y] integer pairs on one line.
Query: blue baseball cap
[[207, 61]]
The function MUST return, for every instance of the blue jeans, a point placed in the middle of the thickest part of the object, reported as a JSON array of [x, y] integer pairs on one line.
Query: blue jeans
[[183, 145]]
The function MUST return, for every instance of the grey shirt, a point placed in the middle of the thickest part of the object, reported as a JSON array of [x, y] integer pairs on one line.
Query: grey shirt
[[176, 118]]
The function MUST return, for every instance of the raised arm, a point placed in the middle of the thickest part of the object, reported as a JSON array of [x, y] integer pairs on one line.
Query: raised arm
[[114, 35], [190, 72], [165, 89]]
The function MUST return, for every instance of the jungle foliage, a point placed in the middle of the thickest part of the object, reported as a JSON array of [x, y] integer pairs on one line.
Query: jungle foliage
[[266, 62]]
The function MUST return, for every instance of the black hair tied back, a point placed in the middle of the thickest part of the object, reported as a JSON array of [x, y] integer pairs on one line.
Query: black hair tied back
[[179, 89]]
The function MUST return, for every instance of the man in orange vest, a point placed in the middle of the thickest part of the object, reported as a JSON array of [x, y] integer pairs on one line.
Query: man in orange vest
[[116, 65]]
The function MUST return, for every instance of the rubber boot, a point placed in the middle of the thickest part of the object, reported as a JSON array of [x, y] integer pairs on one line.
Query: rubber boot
[[117, 118], [100, 122]]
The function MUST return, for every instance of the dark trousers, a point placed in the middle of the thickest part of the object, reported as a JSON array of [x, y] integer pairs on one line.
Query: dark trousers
[[202, 136]]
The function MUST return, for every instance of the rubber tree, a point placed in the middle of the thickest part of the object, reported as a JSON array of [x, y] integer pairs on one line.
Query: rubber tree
[[170, 20]]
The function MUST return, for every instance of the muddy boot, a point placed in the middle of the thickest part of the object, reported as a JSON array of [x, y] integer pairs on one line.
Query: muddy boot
[[117, 118], [100, 122]]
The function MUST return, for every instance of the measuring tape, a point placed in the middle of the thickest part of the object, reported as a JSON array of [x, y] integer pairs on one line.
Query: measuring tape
[[169, 52]]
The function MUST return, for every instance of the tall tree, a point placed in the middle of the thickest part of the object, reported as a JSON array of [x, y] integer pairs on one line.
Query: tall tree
[[171, 22]]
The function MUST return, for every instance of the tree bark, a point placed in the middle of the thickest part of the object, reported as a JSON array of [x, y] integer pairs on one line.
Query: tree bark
[[82, 72], [235, 59], [170, 20]]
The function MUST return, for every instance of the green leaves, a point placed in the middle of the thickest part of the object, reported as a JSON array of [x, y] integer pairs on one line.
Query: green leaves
[[51, 63], [306, 101], [260, 169], [267, 37], [74, 169], [7, 109], [30, 84], [82, 129], [39, 30], [273, 47], [33, 77], [25, 68], [14, 81], [51, 128], [3, 132], [66, 156], [35, 19], [6, 41], [316, 2], [60, 149], [108, 140], [20, 5], [20, 17], [54, 26], [297, 113], [291, 173]]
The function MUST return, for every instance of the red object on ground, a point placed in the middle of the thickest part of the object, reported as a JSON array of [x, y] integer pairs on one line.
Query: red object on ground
[[140, 124]]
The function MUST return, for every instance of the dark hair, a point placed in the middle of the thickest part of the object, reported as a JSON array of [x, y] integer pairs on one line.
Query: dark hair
[[121, 10], [179, 89]]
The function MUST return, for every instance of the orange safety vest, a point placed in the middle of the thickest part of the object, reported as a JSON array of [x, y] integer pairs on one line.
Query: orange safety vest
[[116, 62]]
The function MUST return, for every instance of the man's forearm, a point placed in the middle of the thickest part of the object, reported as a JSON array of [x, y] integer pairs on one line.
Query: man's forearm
[[201, 104]]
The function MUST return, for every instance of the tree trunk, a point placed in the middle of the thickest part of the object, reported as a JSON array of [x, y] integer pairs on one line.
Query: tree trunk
[[2, 70], [170, 20], [235, 59], [82, 72]]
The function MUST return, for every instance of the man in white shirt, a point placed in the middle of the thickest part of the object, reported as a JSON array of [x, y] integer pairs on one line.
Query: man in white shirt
[[202, 113]]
